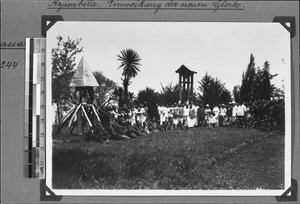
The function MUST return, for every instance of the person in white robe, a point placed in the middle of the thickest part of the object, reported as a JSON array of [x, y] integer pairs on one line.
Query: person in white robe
[[166, 113], [234, 111], [185, 116], [192, 118], [180, 115], [133, 116], [143, 114], [223, 114], [170, 117], [139, 116], [175, 115], [207, 112], [216, 112], [161, 114]]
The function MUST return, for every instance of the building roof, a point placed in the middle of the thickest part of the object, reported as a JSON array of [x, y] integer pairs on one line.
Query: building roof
[[183, 70], [83, 76]]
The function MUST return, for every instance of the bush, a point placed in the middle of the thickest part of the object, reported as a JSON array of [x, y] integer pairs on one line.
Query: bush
[[97, 133], [267, 115]]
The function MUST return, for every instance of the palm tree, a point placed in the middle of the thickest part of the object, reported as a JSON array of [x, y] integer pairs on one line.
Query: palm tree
[[130, 65]]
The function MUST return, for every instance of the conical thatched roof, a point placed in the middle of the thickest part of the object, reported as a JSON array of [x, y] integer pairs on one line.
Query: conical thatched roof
[[83, 76]]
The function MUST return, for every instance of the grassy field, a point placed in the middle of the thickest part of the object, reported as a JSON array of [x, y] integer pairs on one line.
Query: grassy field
[[219, 158]]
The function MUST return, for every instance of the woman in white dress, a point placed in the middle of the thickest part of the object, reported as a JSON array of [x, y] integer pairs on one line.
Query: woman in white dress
[[207, 112], [133, 116], [192, 118], [186, 116]]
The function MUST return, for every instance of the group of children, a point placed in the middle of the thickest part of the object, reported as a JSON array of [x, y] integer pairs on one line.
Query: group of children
[[132, 122], [178, 115], [126, 123], [190, 115]]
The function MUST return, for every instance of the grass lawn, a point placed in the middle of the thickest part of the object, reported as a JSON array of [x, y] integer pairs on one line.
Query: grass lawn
[[219, 158]]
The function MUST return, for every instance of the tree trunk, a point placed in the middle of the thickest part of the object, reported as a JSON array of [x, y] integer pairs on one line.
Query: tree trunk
[[125, 85], [58, 112]]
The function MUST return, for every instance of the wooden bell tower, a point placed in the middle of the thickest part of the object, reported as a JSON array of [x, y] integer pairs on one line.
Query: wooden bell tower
[[186, 84]]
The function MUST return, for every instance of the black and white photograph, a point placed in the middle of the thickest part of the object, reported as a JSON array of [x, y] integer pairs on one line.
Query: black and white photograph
[[168, 108]]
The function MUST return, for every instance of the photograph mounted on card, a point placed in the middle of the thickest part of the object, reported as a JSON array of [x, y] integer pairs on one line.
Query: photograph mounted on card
[[168, 109]]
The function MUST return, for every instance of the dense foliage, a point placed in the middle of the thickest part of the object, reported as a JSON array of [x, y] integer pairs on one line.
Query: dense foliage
[[248, 82], [63, 68], [212, 91], [169, 94], [104, 92], [268, 115], [149, 98], [256, 83]]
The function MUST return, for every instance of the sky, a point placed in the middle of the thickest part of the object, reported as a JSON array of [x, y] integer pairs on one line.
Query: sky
[[220, 49]]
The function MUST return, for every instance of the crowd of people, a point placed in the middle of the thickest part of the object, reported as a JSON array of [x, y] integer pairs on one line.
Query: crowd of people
[[126, 123], [191, 115]]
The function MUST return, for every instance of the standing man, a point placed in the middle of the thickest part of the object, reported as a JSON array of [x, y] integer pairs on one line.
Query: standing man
[[143, 115], [160, 113], [223, 114], [175, 115], [229, 113], [139, 116], [192, 118], [180, 115], [241, 110], [133, 115], [146, 110], [185, 115], [234, 112], [201, 116], [216, 112], [207, 113]]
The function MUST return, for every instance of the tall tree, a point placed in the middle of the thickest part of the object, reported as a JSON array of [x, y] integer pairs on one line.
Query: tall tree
[[256, 83], [130, 63], [212, 91], [224, 96], [63, 63], [150, 98], [104, 92], [205, 88], [266, 88], [248, 82], [256, 91]]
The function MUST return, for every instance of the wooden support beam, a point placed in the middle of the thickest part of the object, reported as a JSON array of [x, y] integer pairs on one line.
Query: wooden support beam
[[65, 120], [90, 124], [98, 118], [79, 122], [188, 89], [67, 116], [184, 88], [180, 88], [74, 115], [192, 86]]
